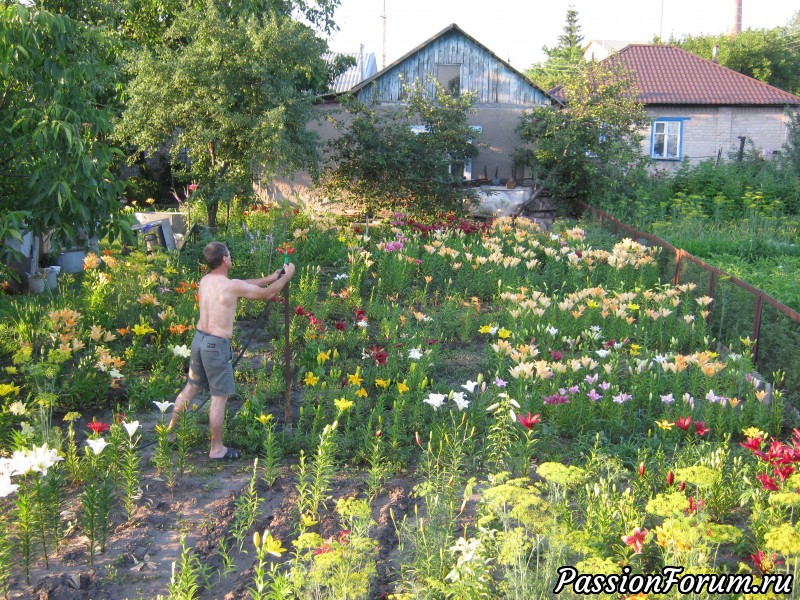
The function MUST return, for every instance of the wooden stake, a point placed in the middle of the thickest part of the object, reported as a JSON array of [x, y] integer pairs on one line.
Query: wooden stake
[[287, 356]]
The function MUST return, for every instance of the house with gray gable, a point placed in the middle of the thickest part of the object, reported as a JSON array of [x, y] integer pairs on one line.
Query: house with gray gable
[[461, 64]]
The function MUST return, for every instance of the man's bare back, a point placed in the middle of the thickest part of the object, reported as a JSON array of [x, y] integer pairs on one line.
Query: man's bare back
[[218, 296]]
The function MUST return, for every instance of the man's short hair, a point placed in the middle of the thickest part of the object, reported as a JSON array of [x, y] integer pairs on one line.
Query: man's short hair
[[213, 254]]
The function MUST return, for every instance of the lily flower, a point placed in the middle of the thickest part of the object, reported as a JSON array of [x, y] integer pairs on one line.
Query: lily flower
[[163, 406], [470, 386], [529, 421], [131, 427], [414, 354], [700, 428], [97, 445], [636, 539], [461, 402], [683, 423], [435, 400]]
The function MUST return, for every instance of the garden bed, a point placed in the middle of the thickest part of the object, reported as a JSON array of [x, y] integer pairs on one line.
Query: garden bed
[[472, 407]]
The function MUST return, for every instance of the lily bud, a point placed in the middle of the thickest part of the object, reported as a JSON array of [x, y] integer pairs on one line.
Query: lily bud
[[670, 478], [641, 470], [682, 486]]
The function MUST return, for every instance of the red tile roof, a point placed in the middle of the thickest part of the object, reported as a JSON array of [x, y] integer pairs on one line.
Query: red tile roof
[[671, 75]]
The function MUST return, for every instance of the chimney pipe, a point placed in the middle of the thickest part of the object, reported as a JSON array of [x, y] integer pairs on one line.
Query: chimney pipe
[[361, 66], [737, 17], [715, 54]]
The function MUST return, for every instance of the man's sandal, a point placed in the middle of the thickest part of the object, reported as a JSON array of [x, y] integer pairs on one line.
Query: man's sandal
[[231, 454]]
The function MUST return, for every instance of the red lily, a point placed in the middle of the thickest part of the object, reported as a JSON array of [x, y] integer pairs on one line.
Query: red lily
[[784, 471], [700, 428], [378, 354], [694, 506], [340, 326], [98, 427], [285, 249], [528, 421], [752, 444], [767, 482], [765, 563], [684, 422]]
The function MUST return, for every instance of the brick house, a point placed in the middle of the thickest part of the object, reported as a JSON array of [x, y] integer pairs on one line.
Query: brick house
[[700, 110]]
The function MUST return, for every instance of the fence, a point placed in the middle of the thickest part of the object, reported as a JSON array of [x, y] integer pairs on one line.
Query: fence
[[739, 310]]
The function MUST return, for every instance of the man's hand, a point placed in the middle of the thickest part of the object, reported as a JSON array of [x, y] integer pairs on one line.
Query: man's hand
[[288, 269]]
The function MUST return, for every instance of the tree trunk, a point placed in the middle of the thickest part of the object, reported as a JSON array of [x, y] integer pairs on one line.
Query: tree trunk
[[213, 205]]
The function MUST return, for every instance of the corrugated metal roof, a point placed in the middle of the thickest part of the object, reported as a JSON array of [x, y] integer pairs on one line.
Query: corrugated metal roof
[[671, 75], [365, 67]]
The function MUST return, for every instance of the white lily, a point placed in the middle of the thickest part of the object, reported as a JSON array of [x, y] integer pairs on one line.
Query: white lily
[[163, 406], [97, 445], [414, 354], [461, 402], [470, 386], [131, 427], [181, 351], [435, 400]]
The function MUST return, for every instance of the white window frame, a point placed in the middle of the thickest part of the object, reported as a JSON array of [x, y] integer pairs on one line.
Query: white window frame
[[671, 129]]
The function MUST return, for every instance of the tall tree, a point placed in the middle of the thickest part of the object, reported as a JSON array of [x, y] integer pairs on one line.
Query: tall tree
[[562, 59], [54, 154], [230, 91], [591, 146], [769, 55]]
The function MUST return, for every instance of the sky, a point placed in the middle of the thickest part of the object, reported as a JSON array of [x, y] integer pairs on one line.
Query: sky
[[516, 30]]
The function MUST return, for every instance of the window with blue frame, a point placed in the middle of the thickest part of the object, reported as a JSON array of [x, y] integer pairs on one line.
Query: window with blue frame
[[666, 140]]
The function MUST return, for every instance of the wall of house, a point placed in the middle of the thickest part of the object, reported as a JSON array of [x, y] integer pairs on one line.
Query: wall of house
[[710, 130], [496, 144]]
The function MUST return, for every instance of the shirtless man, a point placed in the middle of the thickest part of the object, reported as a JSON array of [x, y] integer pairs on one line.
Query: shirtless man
[[211, 362]]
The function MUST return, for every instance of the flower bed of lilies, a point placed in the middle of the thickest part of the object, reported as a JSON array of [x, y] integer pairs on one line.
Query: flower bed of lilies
[[554, 403]]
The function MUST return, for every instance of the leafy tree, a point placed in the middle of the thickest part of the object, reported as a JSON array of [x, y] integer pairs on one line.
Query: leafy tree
[[591, 147], [229, 91], [406, 157], [769, 55], [562, 59], [54, 154]]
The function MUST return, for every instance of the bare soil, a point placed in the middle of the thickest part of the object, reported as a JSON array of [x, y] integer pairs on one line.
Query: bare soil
[[138, 560]]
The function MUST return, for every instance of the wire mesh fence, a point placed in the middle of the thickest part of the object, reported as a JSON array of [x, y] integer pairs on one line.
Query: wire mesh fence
[[738, 311]]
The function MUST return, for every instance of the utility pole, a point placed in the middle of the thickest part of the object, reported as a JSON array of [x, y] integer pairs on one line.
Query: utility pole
[[383, 16]]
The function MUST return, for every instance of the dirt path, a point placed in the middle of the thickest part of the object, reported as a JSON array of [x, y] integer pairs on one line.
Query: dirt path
[[137, 562]]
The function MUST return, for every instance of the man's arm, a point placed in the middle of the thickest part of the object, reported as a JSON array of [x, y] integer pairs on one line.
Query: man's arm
[[262, 281], [245, 289]]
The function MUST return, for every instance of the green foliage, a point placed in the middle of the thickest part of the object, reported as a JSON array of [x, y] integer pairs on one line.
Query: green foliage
[[232, 98], [563, 59], [379, 161], [768, 55], [590, 148], [55, 126]]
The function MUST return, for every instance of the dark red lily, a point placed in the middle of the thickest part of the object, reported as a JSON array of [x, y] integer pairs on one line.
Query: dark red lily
[[767, 482], [684, 422], [529, 421], [700, 428]]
